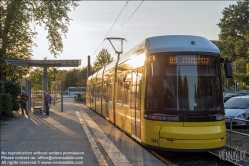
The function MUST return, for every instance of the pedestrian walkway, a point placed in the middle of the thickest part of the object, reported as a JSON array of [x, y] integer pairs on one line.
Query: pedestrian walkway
[[76, 136]]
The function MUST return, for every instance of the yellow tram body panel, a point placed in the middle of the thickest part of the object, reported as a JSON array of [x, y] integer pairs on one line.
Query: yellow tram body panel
[[185, 136]]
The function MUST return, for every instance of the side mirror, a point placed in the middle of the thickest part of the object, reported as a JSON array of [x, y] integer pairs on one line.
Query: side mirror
[[228, 68]]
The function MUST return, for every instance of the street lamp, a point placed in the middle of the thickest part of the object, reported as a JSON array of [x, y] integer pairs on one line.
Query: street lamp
[[116, 67], [235, 81], [237, 86]]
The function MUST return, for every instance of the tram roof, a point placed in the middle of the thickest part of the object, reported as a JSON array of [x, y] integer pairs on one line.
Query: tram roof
[[44, 63], [167, 43], [180, 43]]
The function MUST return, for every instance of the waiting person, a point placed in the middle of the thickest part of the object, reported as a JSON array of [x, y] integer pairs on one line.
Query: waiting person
[[47, 100], [24, 100]]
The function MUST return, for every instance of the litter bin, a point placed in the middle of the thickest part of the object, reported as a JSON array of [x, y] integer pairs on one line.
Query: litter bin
[[76, 97]]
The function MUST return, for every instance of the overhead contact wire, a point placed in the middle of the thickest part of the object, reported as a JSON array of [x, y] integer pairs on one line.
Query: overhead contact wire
[[134, 12], [112, 26]]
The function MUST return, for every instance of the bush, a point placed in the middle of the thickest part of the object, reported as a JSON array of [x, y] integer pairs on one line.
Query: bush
[[1, 107], [82, 96], [6, 104], [12, 87]]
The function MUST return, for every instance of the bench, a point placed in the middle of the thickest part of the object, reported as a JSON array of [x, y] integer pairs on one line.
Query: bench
[[37, 110]]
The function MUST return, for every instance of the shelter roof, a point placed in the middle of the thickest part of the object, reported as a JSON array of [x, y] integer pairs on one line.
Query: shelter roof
[[44, 63]]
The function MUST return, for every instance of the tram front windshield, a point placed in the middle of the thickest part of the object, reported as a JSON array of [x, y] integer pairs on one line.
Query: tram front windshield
[[183, 83]]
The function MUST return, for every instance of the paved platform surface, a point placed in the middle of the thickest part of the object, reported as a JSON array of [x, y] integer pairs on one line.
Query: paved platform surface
[[76, 136]]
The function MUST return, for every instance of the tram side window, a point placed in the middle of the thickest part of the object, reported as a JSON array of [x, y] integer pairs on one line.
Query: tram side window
[[120, 92], [126, 93], [96, 90], [151, 93], [139, 84], [133, 90], [88, 90], [92, 90], [104, 91], [136, 88], [126, 90], [109, 91], [99, 90]]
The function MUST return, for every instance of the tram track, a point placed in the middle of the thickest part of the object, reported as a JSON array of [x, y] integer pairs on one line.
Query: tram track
[[191, 159], [210, 158], [226, 156], [233, 155]]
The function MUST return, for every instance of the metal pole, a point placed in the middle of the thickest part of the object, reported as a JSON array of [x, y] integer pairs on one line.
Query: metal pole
[[115, 74], [28, 92], [88, 66], [54, 86], [235, 81], [227, 86], [62, 88], [231, 128], [45, 85]]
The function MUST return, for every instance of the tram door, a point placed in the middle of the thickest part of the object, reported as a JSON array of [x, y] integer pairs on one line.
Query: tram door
[[136, 102]]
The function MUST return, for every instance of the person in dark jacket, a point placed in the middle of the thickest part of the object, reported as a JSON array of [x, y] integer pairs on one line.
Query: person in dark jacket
[[47, 100], [24, 100]]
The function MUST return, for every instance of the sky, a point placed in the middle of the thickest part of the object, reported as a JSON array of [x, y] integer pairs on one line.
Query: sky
[[93, 21]]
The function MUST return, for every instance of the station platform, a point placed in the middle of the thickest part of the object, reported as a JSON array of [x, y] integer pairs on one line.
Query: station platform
[[76, 136]]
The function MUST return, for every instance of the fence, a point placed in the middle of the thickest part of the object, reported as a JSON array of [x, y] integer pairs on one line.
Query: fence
[[235, 132], [37, 97]]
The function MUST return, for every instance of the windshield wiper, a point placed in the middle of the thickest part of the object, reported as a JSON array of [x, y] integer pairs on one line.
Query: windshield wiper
[[204, 112], [206, 108], [231, 107]]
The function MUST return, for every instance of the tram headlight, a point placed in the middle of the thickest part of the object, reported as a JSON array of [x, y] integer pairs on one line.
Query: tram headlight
[[173, 118], [162, 117], [220, 117]]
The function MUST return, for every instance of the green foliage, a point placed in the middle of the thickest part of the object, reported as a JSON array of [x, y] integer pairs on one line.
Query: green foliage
[[35, 77], [6, 104], [242, 78], [1, 106], [74, 78], [12, 87], [234, 35], [82, 97], [84, 76], [18, 20], [240, 65], [102, 59], [234, 40]]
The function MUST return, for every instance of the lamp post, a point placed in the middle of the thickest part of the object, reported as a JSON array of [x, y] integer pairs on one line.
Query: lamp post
[[235, 81], [238, 86], [68, 81], [227, 86], [54, 86], [116, 67]]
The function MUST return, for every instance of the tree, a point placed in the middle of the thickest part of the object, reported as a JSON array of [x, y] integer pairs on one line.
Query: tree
[[35, 77], [83, 73], [234, 35], [73, 78], [234, 39], [102, 59], [18, 20], [12, 86]]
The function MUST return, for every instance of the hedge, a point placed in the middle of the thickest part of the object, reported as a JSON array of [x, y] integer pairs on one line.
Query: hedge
[[5, 105]]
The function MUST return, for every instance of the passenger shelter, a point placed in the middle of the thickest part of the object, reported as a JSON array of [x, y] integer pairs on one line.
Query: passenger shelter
[[45, 64]]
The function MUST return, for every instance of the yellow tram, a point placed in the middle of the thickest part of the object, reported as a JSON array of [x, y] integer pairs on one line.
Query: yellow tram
[[166, 93]]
